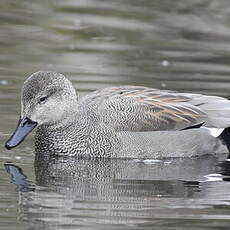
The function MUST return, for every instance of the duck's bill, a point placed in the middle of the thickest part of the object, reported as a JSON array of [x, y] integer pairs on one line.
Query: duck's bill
[[25, 126]]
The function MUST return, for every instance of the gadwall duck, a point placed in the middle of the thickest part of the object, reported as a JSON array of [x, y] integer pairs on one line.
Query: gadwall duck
[[119, 122]]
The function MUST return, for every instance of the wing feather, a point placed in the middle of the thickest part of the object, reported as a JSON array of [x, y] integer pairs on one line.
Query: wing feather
[[132, 108]]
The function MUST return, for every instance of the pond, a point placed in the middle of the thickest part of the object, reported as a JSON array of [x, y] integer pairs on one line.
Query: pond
[[178, 45]]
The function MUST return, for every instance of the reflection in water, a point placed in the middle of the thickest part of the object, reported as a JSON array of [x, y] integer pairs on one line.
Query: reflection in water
[[18, 178], [177, 45], [73, 191]]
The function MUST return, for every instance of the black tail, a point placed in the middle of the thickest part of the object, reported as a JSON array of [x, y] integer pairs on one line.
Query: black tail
[[225, 137]]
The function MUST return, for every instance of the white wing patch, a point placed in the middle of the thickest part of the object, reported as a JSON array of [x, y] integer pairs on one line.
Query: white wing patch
[[215, 132]]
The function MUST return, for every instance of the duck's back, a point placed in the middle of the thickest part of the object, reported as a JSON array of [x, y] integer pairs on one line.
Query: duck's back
[[130, 108]]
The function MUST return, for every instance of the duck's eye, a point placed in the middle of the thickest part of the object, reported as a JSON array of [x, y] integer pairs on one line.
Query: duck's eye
[[42, 99]]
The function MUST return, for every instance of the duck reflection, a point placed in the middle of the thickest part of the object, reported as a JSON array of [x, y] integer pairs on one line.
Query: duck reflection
[[72, 191]]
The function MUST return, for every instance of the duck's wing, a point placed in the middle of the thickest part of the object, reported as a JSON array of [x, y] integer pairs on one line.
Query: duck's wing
[[132, 108], [217, 109]]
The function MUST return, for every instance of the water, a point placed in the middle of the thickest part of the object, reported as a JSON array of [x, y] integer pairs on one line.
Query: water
[[181, 45]]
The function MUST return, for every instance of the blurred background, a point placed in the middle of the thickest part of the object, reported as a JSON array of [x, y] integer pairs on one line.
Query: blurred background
[[179, 45]]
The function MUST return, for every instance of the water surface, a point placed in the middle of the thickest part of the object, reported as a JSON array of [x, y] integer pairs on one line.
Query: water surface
[[180, 45]]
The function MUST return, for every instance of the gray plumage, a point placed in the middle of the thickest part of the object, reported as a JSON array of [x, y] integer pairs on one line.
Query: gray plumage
[[124, 122]]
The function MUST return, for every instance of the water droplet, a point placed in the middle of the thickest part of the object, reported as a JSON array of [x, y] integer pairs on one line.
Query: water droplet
[[165, 63], [4, 82]]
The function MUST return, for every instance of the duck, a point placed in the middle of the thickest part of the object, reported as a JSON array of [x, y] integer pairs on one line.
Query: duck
[[120, 121]]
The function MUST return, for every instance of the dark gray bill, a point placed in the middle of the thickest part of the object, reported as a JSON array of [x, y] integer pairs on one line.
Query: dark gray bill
[[25, 126]]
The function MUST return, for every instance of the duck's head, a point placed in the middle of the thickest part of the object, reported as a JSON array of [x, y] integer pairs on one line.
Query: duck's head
[[46, 99]]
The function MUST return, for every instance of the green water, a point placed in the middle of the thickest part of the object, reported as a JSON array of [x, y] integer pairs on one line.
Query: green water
[[180, 45]]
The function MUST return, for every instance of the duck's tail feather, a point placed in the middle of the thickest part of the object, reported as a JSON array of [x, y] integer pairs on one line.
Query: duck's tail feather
[[217, 109], [225, 137]]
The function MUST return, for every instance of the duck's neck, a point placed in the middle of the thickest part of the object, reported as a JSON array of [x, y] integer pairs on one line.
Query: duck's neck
[[53, 139], [60, 136]]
